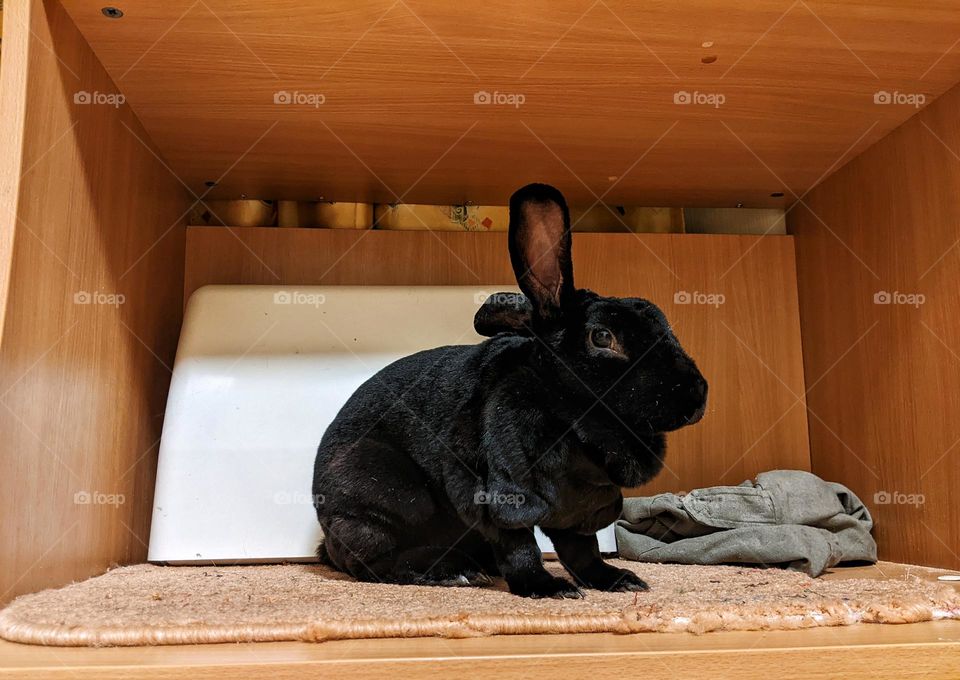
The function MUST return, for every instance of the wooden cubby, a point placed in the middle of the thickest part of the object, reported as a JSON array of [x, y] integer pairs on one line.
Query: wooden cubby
[[844, 114]]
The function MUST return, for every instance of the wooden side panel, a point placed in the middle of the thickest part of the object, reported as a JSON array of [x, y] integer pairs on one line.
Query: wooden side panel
[[878, 268], [745, 337], [92, 246]]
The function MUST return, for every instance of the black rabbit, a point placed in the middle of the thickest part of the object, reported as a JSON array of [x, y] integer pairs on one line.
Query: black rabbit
[[438, 467]]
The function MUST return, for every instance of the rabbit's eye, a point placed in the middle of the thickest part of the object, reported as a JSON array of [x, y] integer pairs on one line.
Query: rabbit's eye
[[601, 337]]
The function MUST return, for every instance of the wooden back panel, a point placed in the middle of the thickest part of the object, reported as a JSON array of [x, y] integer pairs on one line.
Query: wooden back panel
[[89, 214], [882, 363], [748, 347]]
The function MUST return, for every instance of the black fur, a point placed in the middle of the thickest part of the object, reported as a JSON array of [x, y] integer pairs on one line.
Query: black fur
[[437, 468]]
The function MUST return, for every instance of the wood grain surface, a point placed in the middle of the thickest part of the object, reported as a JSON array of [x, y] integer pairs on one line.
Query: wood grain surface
[[91, 293], [788, 98], [878, 264]]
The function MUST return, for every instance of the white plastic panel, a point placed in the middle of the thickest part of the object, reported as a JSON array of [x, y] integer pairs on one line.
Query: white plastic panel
[[260, 373]]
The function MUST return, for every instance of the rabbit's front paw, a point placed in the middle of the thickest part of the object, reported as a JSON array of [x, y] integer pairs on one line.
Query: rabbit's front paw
[[543, 585], [602, 576]]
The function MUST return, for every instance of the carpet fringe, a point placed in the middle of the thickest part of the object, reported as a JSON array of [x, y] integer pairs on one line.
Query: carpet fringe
[[633, 619]]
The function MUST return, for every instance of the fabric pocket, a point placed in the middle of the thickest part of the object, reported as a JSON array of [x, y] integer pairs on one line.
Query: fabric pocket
[[727, 507]]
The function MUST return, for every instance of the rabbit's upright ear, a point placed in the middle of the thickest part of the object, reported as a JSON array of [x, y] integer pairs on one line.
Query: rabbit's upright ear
[[540, 248]]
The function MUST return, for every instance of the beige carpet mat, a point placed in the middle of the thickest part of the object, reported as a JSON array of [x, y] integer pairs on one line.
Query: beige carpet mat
[[154, 605]]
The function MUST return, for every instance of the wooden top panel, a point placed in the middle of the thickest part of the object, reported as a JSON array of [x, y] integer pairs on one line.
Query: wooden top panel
[[585, 93]]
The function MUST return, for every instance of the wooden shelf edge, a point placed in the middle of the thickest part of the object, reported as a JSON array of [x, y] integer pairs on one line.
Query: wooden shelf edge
[[932, 649]]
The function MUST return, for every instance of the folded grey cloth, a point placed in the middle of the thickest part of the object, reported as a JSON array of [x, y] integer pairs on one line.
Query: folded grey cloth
[[787, 518]]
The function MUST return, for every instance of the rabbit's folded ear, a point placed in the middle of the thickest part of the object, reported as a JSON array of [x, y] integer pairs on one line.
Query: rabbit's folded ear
[[540, 248], [504, 313]]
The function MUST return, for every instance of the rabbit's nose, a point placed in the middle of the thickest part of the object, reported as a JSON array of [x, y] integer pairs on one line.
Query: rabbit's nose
[[698, 399], [698, 390]]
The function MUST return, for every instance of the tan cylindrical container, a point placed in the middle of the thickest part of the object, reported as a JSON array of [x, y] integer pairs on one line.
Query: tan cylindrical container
[[640, 220], [238, 213], [326, 214]]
